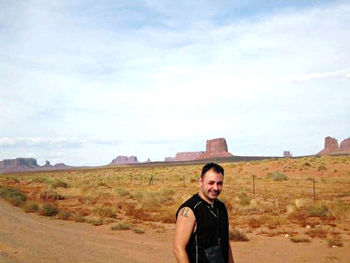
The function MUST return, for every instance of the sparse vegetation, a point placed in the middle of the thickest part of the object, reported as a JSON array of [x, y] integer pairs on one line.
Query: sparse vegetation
[[238, 235], [121, 226], [13, 196], [102, 196], [298, 239], [31, 207], [49, 210]]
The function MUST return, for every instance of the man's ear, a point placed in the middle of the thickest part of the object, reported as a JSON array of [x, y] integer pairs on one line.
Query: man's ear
[[200, 180]]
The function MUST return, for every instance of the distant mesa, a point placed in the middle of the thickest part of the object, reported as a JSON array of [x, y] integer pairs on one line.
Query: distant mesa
[[125, 160], [187, 156], [148, 160], [287, 154], [27, 164], [331, 147], [215, 148]]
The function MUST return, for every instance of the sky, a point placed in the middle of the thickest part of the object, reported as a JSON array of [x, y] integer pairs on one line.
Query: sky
[[85, 81]]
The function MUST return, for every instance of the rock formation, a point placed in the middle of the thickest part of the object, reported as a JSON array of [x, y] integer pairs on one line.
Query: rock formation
[[345, 146], [331, 147], [215, 148], [187, 156], [125, 160], [287, 154], [169, 159], [18, 164]]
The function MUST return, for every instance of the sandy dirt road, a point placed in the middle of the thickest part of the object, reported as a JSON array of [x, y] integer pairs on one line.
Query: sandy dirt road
[[32, 238]]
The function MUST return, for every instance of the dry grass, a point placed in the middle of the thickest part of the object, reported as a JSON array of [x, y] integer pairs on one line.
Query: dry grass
[[283, 196]]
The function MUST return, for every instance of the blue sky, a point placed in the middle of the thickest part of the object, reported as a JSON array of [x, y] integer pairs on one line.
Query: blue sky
[[85, 81]]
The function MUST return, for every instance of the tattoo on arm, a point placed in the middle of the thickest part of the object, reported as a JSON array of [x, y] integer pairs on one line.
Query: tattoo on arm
[[184, 212]]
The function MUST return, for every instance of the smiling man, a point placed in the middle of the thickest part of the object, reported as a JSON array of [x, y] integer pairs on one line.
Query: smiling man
[[202, 230]]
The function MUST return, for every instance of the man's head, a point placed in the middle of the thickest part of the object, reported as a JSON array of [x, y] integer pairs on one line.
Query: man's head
[[211, 181]]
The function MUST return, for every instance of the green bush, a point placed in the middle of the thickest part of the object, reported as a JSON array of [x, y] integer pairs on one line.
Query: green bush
[[121, 226], [64, 215], [13, 196], [244, 199], [319, 210], [105, 212], [58, 183], [276, 176], [31, 207], [49, 210], [51, 195], [138, 231]]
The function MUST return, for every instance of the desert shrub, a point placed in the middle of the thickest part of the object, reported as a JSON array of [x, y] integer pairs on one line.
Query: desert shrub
[[31, 207], [121, 226], [13, 196], [276, 176], [318, 210], [40, 180], [317, 232], [148, 199], [95, 222], [244, 199], [254, 222], [105, 212], [58, 183], [297, 239], [335, 242], [64, 215], [322, 168], [138, 231], [340, 208], [50, 195], [237, 235], [49, 210], [122, 192], [78, 217]]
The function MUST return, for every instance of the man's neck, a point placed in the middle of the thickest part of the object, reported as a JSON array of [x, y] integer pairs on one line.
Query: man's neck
[[205, 198]]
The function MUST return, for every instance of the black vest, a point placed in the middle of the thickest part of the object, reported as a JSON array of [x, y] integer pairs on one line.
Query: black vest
[[212, 225]]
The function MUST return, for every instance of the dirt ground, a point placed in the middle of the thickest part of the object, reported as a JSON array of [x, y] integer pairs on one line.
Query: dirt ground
[[32, 238]]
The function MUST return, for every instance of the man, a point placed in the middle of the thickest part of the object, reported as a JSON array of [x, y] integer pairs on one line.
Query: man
[[202, 233]]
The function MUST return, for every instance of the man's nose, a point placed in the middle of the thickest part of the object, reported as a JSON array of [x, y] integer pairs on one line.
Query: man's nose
[[216, 187]]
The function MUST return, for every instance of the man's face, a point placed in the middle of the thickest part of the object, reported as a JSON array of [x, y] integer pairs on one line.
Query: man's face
[[211, 184]]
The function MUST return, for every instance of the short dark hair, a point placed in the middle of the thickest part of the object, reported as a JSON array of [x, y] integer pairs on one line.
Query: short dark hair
[[212, 166]]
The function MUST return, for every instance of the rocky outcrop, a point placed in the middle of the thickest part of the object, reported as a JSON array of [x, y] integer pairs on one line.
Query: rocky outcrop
[[345, 146], [27, 164], [18, 165], [169, 159], [331, 147], [125, 160], [215, 148], [287, 154], [187, 156]]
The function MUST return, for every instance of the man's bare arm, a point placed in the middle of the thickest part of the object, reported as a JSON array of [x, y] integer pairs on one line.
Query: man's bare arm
[[185, 223]]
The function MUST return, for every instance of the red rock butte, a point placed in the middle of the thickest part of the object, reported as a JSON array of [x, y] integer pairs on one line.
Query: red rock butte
[[331, 146], [215, 148]]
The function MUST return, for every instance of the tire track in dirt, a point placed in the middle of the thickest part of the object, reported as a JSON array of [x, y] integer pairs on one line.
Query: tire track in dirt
[[32, 238]]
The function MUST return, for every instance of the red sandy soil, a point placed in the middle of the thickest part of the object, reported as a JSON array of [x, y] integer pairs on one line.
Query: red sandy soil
[[33, 238]]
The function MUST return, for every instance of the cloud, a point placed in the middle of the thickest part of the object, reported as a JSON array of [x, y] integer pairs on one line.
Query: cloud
[[343, 73], [61, 142]]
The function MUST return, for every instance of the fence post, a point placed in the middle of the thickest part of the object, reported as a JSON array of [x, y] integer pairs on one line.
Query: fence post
[[253, 184], [183, 179], [151, 180], [131, 181]]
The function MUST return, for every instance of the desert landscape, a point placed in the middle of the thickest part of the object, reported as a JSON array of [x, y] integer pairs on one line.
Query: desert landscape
[[280, 210]]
